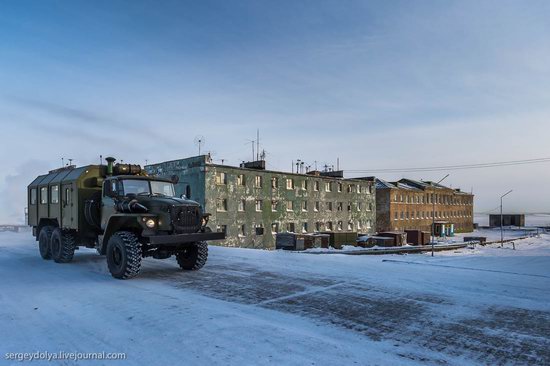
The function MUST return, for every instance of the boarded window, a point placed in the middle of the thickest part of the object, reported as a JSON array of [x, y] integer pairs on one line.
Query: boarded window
[[316, 185], [289, 183], [221, 204], [221, 178], [241, 180], [258, 181], [290, 205], [242, 205]]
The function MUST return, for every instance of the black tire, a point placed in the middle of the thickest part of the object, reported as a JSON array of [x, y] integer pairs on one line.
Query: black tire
[[124, 255], [62, 244], [193, 257], [44, 245]]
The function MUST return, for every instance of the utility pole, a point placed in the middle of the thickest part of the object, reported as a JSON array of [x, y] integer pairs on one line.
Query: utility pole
[[433, 215], [501, 219]]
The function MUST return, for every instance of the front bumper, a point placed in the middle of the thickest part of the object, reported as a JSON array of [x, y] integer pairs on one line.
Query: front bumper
[[176, 239]]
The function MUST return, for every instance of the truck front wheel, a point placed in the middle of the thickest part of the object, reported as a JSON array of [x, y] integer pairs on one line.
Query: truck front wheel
[[63, 244], [193, 257], [44, 242], [124, 255]]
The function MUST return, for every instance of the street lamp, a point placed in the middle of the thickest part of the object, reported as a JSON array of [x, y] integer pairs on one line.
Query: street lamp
[[433, 215], [501, 228]]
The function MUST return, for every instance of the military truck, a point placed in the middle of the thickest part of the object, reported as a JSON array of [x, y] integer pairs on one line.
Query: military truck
[[121, 212]]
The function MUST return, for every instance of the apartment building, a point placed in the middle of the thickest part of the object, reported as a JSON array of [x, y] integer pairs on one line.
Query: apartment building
[[412, 205], [252, 204]]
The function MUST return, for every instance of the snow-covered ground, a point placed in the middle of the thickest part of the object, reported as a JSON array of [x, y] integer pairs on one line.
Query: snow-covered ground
[[252, 307]]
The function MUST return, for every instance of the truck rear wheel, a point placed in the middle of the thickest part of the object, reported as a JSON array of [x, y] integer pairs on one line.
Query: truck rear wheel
[[44, 242], [193, 257], [124, 255], [63, 244]]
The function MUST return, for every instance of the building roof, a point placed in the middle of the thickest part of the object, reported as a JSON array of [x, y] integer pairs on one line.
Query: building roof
[[413, 185]]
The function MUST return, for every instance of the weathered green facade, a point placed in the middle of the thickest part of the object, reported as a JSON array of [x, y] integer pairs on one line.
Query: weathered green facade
[[252, 205]]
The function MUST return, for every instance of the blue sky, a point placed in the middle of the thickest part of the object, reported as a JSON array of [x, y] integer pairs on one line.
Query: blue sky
[[379, 84]]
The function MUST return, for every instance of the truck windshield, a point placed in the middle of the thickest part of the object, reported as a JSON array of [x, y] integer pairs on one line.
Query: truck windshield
[[154, 187]]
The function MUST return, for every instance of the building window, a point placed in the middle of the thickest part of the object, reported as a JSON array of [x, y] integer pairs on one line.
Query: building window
[[349, 206], [304, 206], [221, 228], [242, 230], [350, 188], [350, 226], [370, 189], [259, 229], [359, 206], [304, 184], [369, 206], [395, 198], [329, 206], [290, 205], [258, 181], [258, 205], [369, 224], [274, 205], [317, 226], [43, 195], [67, 196], [316, 185], [340, 206], [275, 228], [289, 183], [396, 215], [340, 225], [407, 215], [221, 178], [329, 225], [290, 227], [359, 225], [402, 215], [33, 196], [339, 187], [328, 186], [274, 182], [241, 180], [54, 194], [221, 204], [316, 206], [406, 199], [304, 227], [242, 205]]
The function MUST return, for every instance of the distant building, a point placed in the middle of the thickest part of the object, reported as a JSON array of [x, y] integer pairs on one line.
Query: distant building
[[252, 204], [507, 220], [408, 205]]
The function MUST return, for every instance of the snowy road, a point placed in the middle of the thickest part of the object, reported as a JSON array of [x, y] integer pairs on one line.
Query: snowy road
[[490, 306]]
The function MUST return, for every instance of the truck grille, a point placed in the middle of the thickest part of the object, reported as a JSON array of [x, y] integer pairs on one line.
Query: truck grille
[[186, 219]]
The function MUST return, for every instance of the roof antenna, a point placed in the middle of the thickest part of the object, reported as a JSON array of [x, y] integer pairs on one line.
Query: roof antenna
[[100, 159], [62, 162]]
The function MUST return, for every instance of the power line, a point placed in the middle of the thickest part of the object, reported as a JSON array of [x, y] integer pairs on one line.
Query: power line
[[453, 167]]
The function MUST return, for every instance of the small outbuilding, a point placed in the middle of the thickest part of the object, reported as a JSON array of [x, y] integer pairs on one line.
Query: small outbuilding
[[507, 220]]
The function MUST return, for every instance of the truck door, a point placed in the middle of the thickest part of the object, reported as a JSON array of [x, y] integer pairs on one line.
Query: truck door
[[68, 212], [110, 187]]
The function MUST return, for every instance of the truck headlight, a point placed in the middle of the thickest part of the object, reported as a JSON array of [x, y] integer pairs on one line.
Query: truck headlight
[[150, 223]]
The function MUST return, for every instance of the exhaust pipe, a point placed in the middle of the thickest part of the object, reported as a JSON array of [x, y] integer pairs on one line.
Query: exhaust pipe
[[110, 161]]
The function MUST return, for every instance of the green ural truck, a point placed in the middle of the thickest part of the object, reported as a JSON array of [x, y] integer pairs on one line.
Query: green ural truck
[[119, 210]]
